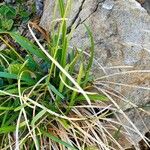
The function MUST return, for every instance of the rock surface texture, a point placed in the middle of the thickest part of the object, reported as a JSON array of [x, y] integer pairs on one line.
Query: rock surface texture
[[121, 30]]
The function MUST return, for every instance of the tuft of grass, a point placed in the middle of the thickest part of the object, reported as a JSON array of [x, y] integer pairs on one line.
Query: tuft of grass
[[36, 88], [46, 101]]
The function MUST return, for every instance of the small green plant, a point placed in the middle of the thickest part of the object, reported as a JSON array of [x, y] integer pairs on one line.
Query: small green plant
[[9, 16]]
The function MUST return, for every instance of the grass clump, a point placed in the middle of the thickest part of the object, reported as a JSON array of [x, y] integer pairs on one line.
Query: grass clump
[[39, 88], [46, 101]]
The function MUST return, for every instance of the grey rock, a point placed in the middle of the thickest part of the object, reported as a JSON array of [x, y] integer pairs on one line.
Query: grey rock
[[140, 119], [145, 4]]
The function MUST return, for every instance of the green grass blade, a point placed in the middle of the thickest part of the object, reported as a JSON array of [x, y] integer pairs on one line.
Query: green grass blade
[[91, 48], [61, 85], [5, 116], [20, 107], [58, 140], [38, 116], [28, 46], [64, 45], [8, 129], [12, 91], [80, 75], [88, 68], [6, 108], [8, 75], [51, 87], [95, 97], [12, 49], [14, 76], [61, 7], [9, 120]]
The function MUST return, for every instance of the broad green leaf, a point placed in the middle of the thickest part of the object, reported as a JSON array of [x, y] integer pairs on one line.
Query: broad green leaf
[[28, 46]]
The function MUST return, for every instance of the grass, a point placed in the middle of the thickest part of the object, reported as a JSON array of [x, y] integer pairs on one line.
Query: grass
[[47, 103]]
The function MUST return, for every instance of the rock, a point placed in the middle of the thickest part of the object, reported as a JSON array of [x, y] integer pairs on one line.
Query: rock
[[121, 30], [139, 118], [47, 17], [145, 4]]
